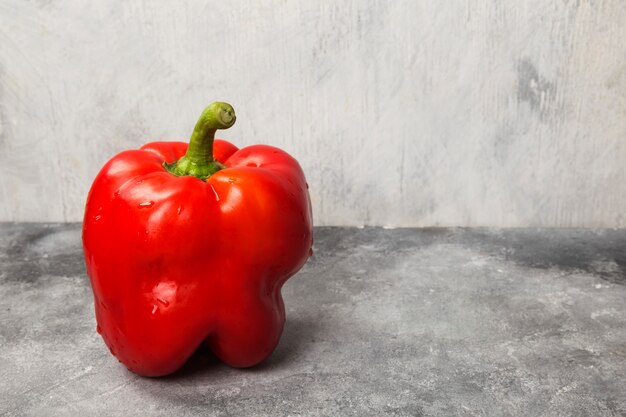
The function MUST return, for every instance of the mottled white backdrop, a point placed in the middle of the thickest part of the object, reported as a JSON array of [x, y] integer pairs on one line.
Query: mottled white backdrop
[[402, 113]]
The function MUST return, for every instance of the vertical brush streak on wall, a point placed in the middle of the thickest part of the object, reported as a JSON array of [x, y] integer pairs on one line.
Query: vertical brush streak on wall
[[402, 113]]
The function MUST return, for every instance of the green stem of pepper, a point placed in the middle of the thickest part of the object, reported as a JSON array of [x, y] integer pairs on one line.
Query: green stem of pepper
[[198, 161]]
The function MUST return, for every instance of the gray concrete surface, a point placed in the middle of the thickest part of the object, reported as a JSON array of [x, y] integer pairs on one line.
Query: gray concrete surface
[[410, 322], [501, 113]]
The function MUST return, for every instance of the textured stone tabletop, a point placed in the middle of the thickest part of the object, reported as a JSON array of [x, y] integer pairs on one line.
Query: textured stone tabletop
[[408, 322]]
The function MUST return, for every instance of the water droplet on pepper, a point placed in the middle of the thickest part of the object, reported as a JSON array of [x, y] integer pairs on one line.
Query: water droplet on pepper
[[146, 204], [217, 197]]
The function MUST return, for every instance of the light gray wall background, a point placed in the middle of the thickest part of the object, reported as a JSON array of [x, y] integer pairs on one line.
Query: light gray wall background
[[402, 113]]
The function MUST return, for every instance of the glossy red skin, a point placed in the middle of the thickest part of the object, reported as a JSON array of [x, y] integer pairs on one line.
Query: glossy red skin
[[176, 261]]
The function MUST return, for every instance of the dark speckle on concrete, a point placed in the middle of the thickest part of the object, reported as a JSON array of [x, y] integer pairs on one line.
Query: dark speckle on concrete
[[532, 88], [406, 322]]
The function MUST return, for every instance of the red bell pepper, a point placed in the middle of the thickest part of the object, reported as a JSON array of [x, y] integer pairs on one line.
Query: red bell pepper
[[187, 245]]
